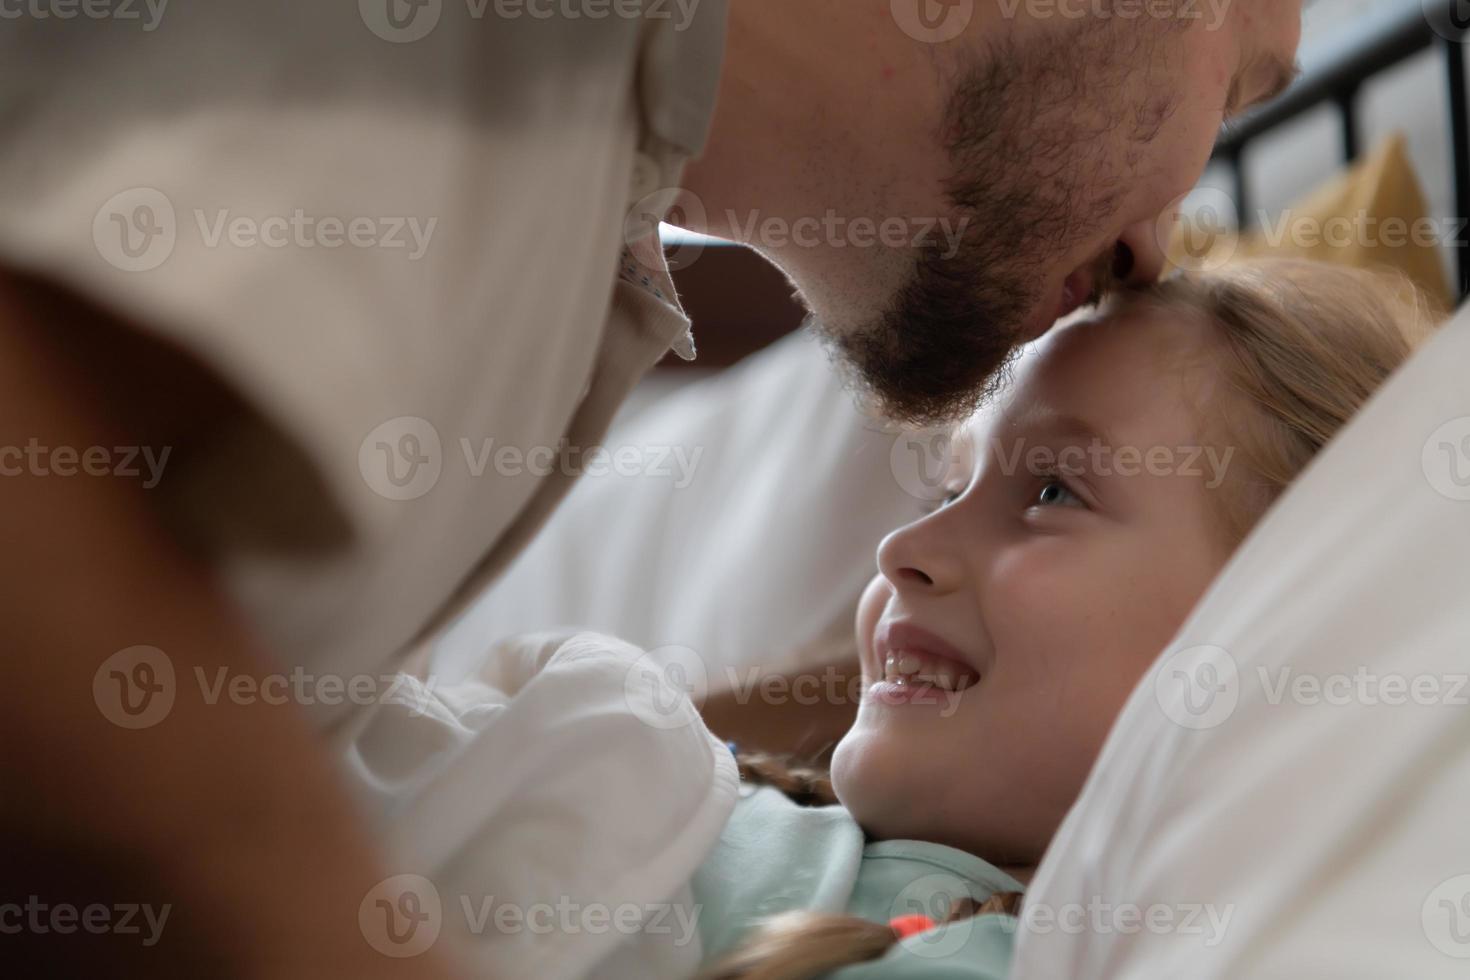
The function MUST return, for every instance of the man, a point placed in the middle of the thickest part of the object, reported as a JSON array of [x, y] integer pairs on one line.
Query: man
[[320, 266]]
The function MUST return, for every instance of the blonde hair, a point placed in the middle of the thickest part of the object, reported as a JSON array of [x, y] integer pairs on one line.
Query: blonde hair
[[1302, 346]]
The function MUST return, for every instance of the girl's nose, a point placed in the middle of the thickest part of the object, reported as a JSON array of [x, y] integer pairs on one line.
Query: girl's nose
[[920, 558]]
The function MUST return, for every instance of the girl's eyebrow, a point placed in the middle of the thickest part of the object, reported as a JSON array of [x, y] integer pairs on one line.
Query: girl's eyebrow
[[1061, 424]]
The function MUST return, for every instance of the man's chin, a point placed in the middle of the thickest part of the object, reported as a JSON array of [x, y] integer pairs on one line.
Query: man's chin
[[938, 352], [917, 396], [1038, 326]]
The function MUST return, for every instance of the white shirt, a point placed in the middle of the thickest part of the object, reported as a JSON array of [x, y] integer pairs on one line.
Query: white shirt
[[398, 231]]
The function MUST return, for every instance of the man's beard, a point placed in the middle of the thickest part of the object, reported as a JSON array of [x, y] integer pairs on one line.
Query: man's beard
[[1042, 144]]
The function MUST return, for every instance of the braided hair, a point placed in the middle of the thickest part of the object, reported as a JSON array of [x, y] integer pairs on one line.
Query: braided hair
[[802, 945]]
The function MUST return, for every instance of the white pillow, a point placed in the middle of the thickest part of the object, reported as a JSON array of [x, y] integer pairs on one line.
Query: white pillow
[[747, 536], [1285, 793]]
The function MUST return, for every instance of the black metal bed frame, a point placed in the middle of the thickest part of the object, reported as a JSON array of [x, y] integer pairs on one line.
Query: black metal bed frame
[[1337, 72]]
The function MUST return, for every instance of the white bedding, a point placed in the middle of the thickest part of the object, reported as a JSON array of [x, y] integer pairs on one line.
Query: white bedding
[[747, 539], [547, 814]]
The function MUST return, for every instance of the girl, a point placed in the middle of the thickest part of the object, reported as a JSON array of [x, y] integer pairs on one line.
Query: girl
[[1006, 629]]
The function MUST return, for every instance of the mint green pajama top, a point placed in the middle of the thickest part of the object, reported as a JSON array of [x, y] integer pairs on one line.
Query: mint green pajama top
[[774, 856]]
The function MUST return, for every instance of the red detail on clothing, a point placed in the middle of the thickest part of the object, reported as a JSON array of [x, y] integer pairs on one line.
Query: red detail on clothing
[[910, 925]]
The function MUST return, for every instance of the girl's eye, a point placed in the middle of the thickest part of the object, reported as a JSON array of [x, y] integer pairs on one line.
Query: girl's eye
[[938, 505], [1054, 493]]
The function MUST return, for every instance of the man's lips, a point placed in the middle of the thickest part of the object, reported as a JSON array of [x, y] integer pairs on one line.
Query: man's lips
[[914, 654], [1076, 291]]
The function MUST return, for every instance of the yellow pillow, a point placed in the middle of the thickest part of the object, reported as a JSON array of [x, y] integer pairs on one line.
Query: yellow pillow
[[1374, 214]]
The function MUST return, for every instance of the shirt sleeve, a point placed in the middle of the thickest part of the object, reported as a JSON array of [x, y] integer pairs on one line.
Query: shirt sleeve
[[390, 230]]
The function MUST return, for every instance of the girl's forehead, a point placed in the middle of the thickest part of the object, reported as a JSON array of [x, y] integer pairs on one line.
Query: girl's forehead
[[1134, 340], [1139, 372]]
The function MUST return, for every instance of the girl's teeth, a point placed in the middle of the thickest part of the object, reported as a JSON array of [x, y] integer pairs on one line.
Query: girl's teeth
[[902, 669]]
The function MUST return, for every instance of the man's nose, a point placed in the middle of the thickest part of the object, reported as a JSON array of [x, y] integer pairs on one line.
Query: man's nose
[[1138, 255]]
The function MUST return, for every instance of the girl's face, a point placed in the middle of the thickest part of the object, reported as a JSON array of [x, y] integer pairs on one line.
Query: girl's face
[[1006, 629]]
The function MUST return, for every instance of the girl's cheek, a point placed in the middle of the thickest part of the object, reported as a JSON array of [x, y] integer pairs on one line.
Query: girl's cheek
[[1034, 589], [870, 609]]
